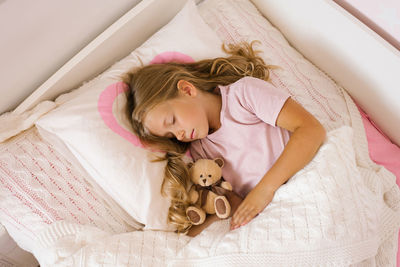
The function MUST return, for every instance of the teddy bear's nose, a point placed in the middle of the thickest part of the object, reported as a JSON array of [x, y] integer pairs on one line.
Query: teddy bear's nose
[[204, 181]]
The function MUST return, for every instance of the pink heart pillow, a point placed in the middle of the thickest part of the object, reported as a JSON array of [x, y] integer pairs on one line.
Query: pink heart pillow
[[108, 97], [91, 124]]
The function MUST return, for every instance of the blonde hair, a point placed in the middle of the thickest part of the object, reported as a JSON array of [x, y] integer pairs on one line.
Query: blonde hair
[[153, 84]]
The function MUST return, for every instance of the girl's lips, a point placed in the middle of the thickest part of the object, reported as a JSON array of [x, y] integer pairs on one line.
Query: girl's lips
[[191, 136]]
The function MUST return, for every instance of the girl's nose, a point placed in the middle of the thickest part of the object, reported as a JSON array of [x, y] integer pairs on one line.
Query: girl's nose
[[180, 135]]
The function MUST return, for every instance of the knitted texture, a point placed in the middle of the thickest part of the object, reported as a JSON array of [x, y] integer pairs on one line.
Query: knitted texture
[[12, 124], [323, 216], [237, 21], [39, 187]]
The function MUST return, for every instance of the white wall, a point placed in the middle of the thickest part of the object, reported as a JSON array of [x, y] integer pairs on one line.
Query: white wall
[[383, 17], [38, 37]]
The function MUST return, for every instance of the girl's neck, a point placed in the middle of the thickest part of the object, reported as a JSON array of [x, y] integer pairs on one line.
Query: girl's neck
[[213, 105]]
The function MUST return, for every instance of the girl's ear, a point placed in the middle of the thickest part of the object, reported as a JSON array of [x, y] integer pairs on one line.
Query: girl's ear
[[187, 88]]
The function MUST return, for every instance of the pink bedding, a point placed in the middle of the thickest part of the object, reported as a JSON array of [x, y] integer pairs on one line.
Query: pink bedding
[[383, 152]]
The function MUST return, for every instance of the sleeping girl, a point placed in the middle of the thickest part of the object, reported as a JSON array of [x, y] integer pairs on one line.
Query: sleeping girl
[[222, 107]]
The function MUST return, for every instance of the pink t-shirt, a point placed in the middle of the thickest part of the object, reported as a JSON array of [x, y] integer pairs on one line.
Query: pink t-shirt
[[248, 140]]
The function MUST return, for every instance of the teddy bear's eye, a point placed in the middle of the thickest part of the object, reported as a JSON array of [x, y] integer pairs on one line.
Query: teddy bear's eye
[[209, 175], [201, 175]]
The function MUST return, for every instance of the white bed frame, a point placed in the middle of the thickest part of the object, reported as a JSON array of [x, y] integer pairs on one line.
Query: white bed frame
[[357, 58], [354, 56]]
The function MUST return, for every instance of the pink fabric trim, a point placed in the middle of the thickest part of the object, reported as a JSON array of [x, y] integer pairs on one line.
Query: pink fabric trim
[[171, 56], [28, 192], [104, 106], [47, 187], [108, 96], [383, 152]]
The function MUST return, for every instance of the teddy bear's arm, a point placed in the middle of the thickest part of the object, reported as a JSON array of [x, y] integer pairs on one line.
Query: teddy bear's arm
[[226, 185], [193, 195]]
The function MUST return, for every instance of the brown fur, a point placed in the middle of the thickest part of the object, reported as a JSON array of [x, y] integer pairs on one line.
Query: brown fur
[[207, 193]]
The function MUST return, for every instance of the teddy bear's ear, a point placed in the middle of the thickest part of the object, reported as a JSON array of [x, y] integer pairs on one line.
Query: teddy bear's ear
[[220, 162], [190, 164]]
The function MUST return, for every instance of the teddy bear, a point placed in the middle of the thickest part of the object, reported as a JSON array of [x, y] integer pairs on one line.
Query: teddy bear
[[207, 194]]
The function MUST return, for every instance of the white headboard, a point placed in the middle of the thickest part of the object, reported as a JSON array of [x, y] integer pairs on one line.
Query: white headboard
[[354, 56]]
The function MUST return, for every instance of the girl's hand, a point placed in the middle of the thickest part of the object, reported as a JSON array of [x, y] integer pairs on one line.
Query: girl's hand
[[251, 206]]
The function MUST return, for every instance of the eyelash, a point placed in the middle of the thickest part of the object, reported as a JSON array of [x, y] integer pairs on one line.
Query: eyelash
[[173, 121]]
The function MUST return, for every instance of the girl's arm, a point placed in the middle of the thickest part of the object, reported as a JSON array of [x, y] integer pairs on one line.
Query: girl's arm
[[305, 140], [233, 199]]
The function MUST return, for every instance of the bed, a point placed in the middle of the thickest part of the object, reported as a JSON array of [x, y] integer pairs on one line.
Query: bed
[[60, 146]]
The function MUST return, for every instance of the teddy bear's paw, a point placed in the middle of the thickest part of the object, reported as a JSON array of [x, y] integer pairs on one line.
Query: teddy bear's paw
[[196, 215], [222, 207], [226, 185]]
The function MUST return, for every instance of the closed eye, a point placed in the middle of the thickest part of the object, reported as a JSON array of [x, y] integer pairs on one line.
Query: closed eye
[[170, 135]]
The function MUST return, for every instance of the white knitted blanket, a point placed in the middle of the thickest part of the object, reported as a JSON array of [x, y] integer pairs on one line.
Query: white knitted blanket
[[339, 210]]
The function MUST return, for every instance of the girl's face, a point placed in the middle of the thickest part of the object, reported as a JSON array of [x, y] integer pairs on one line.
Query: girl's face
[[184, 117]]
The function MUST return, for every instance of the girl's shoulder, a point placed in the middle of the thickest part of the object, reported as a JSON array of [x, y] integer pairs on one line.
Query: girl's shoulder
[[249, 82], [252, 93]]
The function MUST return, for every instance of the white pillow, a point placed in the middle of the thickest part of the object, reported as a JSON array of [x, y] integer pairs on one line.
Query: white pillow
[[91, 121]]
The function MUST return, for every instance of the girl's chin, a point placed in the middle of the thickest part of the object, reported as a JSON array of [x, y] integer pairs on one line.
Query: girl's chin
[[210, 131]]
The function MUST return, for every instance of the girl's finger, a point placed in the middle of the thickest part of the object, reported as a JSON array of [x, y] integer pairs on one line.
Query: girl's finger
[[243, 216], [235, 224], [238, 214], [236, 220], [237, 217], [248, 218]]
